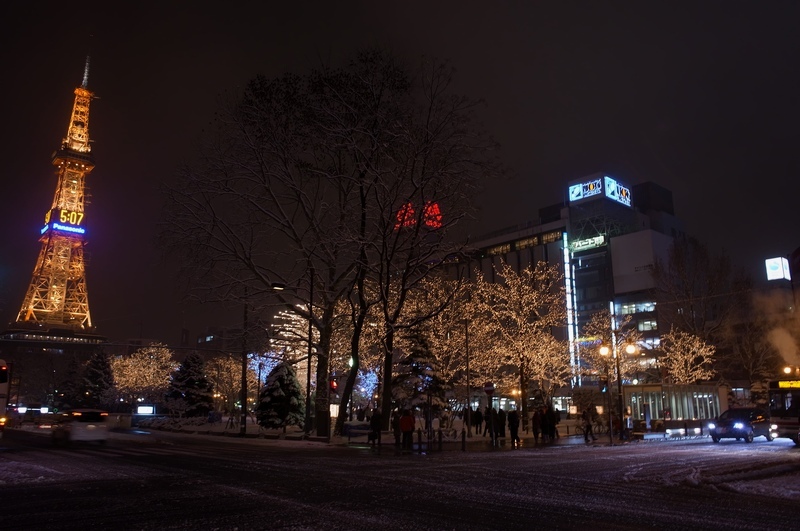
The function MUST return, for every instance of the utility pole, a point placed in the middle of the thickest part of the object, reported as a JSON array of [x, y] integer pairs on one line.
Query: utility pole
[[307, 423], [243, 399]]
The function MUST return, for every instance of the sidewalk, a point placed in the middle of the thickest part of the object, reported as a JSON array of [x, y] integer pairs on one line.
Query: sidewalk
[[452, 442]]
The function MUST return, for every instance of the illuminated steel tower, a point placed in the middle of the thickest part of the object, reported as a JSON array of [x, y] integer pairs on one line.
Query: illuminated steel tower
[[57, 296]]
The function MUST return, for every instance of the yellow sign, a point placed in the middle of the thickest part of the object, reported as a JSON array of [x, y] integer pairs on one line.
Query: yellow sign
[[789, 384], [64, 216]]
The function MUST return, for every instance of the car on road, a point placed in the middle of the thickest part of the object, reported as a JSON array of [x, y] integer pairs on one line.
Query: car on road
[[743, 423], [81, 425]]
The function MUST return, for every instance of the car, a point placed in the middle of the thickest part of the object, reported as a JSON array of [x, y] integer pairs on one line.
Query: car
[[81, 425], [743, 423]]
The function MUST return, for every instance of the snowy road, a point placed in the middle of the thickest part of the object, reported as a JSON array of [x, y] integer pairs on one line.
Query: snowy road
[[168, 481]]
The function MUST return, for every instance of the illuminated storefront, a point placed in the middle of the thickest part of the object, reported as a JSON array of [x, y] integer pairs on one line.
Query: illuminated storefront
[[655, 403]]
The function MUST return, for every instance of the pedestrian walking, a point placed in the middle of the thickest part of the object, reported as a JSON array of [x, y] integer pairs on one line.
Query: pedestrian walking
[[493, 424], [407, 423], [536, 425], [487, 419], [545, 422], [501, 423], [586, 421], [513, 427], [552, 422], [477, 419], [396, 427], [375, 427]]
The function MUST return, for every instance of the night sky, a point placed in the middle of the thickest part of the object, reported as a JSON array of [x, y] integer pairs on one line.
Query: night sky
[[699, 97]]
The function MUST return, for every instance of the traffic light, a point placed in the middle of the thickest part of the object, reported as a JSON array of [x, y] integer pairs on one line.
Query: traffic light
[[603, 384], [334, 385]]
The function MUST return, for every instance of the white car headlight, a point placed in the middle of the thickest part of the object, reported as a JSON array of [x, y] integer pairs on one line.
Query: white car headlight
[[711, 425]]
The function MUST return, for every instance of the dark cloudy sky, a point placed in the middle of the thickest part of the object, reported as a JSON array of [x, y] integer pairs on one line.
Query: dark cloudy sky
[[700, 97]]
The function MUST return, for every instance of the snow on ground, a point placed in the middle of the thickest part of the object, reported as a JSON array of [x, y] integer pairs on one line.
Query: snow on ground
[[777, 473]]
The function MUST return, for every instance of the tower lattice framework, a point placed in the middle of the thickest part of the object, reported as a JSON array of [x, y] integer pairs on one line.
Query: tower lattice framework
[[57, 294]]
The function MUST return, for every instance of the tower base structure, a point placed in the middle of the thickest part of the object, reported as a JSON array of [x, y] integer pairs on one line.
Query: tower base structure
[[41, 357]]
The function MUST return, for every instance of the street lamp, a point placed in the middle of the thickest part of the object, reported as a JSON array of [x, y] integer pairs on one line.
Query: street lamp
[[243, 397], [469, 390], [630, 349], [605, 351], [307, 422]]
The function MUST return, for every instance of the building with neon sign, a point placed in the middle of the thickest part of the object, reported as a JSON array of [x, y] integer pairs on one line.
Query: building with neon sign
[[606, 237]]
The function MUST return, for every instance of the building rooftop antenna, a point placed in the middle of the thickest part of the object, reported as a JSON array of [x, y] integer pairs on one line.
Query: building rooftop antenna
[[85, 83]]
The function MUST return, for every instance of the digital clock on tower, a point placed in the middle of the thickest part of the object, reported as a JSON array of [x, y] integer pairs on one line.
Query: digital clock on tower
[[62, 215]]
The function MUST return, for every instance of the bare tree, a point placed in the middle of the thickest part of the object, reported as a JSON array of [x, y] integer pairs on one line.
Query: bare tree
[[749, 352], [522, 313], [144, 374], [323, 183], [686, 357], [698, 292], [445, 330], [224, 372]]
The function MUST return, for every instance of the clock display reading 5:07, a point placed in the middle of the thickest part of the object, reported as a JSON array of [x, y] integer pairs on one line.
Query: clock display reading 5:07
[[64, 216], [70, 216]]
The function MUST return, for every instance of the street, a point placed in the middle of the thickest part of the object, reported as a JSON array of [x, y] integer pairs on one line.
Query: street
[[156, 480]]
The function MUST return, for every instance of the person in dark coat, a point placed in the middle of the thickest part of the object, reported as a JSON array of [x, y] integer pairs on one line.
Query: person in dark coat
[[536, 425], [407, 428], [545, 424], [501, 423], [487, 419], [513, 427], [492, 425], [586, 421], [477, 420], [396, 427], [375, 427], [550, 413]]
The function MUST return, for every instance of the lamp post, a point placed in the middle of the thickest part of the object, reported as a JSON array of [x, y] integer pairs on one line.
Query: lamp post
[[630, 349], [605, 351], [307, 421], [243, 398], [469, 390]]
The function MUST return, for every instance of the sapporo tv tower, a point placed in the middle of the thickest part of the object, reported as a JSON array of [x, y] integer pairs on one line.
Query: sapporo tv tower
[[57, 297]]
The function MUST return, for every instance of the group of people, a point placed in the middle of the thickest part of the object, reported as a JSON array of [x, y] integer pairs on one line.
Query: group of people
[[493, 422], [403, 423], [544, 423]]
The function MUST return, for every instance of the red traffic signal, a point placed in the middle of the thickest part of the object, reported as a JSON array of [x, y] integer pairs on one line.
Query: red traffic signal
[[334, 385]]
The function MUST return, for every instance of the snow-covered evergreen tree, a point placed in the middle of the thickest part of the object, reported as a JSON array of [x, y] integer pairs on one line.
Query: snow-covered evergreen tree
[[418, 381], [281, 402], [190, 389], [70, 392], [99, 381]]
